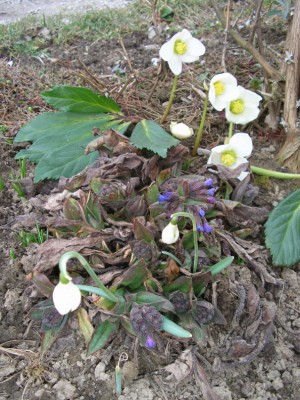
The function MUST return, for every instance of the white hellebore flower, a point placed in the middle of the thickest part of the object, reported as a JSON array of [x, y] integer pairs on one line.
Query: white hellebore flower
[[222, 88], [243, 108], [181, 48], [66, 297], [170, 233], [234, 153], [181, 130]]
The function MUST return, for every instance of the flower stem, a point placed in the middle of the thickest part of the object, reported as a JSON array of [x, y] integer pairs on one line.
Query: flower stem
[[201, 126], [172, 95], [63, 270], [195, 235], [273, 174], [230, 130]]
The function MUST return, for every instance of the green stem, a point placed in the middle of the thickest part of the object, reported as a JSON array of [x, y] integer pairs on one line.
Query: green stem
[[195, 235], [230, 130], [273, 174], [64, 273], [172, 95], [201, 126]]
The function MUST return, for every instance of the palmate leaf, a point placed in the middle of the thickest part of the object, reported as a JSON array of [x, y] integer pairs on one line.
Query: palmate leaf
[[59, 140], [282, 231], [79, 99], [150, 135]]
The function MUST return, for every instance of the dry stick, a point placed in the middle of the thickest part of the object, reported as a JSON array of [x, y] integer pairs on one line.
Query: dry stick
[[271, 71], [125, 54], [256, 23], [97, 82], [223, 63]]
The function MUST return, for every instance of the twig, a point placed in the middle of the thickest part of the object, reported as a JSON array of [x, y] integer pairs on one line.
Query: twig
[[99, 84], [223, 62], [125, 53], [271, 71]]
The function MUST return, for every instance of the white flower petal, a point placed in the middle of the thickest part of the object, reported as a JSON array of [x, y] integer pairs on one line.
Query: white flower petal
[[248, 115], [184, 35], [66, 297], [243, 175], [251, 99], [242, 144], [170, 234], [166, 52], [175, 65], [229, 82], [215, 155], [195, 49]]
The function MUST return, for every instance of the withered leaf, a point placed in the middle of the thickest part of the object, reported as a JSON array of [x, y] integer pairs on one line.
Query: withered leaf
[[172, 270]]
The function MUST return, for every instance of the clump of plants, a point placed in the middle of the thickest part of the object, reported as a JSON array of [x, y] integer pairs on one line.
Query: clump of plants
[[129, 201]]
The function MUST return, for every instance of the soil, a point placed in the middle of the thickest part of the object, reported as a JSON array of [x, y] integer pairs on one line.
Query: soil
[[209, 372]]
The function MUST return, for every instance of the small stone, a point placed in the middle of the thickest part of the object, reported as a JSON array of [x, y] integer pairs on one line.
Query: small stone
[[277, 384], [39, 393], [296, 372], [64, 390]]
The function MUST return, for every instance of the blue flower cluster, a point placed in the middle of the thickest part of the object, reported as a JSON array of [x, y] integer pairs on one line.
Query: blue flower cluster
[[200, 191]]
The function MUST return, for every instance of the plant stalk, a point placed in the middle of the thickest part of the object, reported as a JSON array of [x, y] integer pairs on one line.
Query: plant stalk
[[171, 99], [201, 126], [230, 130], [63, 271], [195, 235], [273, 174]]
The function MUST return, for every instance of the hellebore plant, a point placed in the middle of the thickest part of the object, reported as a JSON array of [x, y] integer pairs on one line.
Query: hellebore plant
[[222, 89], [181, 48]]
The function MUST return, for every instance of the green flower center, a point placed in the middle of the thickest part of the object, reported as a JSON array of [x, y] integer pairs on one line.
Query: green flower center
[[219, 88], [228, 158], [180, 47], [237, 106]]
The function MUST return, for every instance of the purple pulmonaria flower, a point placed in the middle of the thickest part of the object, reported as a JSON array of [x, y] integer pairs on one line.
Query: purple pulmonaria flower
[[150, 343], [201, 212], [200, 228], [211, 191], [207, 228], [208, 182], [164, 197], [211, 200]]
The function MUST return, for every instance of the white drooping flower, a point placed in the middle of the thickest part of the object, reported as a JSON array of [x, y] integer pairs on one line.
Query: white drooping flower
[[181, 48], [243, 108], [222, 89], [181, 130], [234, 153], [66, 297], [170, 233]]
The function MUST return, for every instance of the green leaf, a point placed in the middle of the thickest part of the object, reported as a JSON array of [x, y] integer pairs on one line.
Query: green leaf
[[135, 275], [282, 231], [80, 100], [49, 337], [154, 300], [176, 330], [59, 141], [101, 335], [216, 268], [150, 135]]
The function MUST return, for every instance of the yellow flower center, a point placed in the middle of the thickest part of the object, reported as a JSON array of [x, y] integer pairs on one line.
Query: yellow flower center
[[237, 106], [219, 88], [228, 158], [180, 47]]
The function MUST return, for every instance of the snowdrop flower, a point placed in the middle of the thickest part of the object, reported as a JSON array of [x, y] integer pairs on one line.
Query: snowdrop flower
[[243, 108], [234, 153], [66, 296], [181, 48], [222, 88], [181, 130], [170, 233]]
